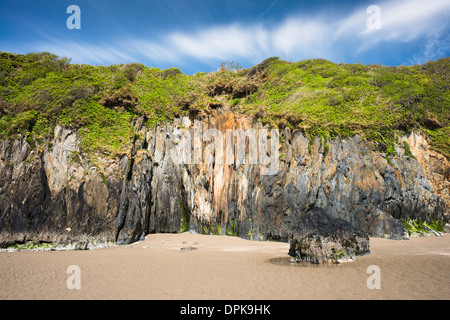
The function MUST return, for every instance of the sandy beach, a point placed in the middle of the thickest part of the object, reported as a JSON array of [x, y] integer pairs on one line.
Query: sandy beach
[[196, 267]]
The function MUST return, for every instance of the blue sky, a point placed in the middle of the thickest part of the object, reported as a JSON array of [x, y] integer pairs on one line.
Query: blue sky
[[197, 35]]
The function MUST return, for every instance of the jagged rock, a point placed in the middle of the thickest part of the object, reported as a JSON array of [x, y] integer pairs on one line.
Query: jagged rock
[[154, 189], [447, 228], [40, 200], [433, 232], [319, 238], [78, 245], [382, 225]]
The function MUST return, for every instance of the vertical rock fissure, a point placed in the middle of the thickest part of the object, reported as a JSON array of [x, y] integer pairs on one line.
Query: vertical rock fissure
[[149, 205], [185, 212]]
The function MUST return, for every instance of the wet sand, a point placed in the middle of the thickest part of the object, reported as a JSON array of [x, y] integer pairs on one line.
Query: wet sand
[[225, 268]]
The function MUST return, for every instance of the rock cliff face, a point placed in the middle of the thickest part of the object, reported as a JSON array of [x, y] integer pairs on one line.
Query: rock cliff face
[[188, 175]]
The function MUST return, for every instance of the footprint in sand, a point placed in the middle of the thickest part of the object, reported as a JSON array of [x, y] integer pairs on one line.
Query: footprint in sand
[[185, 249], [190, 243]]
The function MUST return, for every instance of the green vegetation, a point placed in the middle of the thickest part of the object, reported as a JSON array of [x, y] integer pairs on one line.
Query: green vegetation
[[419, 228], [184, 225], [326, 149], [104, 179], [337, 255], [231, 229], [250, 232], [407, 149], [375, 102], [317, 97], [32, 246], [212, 229]]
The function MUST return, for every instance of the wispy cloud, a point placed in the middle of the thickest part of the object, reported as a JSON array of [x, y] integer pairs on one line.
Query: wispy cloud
[[221, 42], [296, 37], [87, 53], [401, 21], [302, 36], [435, 46]]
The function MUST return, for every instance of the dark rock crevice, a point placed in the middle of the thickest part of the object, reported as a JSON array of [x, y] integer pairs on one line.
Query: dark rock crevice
[[327, 203]]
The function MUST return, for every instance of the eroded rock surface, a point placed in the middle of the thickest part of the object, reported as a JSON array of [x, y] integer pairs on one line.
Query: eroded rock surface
[[319, 238], [161, 185]]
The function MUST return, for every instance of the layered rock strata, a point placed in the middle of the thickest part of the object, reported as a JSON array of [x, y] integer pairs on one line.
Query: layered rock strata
[[190, 175]]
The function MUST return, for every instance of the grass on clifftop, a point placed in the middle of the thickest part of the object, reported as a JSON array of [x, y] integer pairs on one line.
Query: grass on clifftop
[[317, 97]]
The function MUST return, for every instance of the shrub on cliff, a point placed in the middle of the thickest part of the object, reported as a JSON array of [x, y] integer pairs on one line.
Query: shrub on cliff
[[317, 97]]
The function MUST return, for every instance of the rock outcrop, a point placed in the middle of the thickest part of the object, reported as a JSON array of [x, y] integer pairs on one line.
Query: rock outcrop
[[188, 175], [55, 195], [319, 238]]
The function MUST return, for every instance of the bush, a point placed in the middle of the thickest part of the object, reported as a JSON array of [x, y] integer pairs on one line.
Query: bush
[[122, 98], [378, 103], [260, 68], [172, 72]]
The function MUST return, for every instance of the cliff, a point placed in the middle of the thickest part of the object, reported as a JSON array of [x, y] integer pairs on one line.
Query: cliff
[[57, 195], [315, 153]]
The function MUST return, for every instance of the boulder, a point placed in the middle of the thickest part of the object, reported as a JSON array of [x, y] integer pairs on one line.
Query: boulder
[[319, 238]]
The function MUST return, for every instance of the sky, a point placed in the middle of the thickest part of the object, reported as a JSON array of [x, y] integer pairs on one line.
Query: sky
[[198, 35]]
